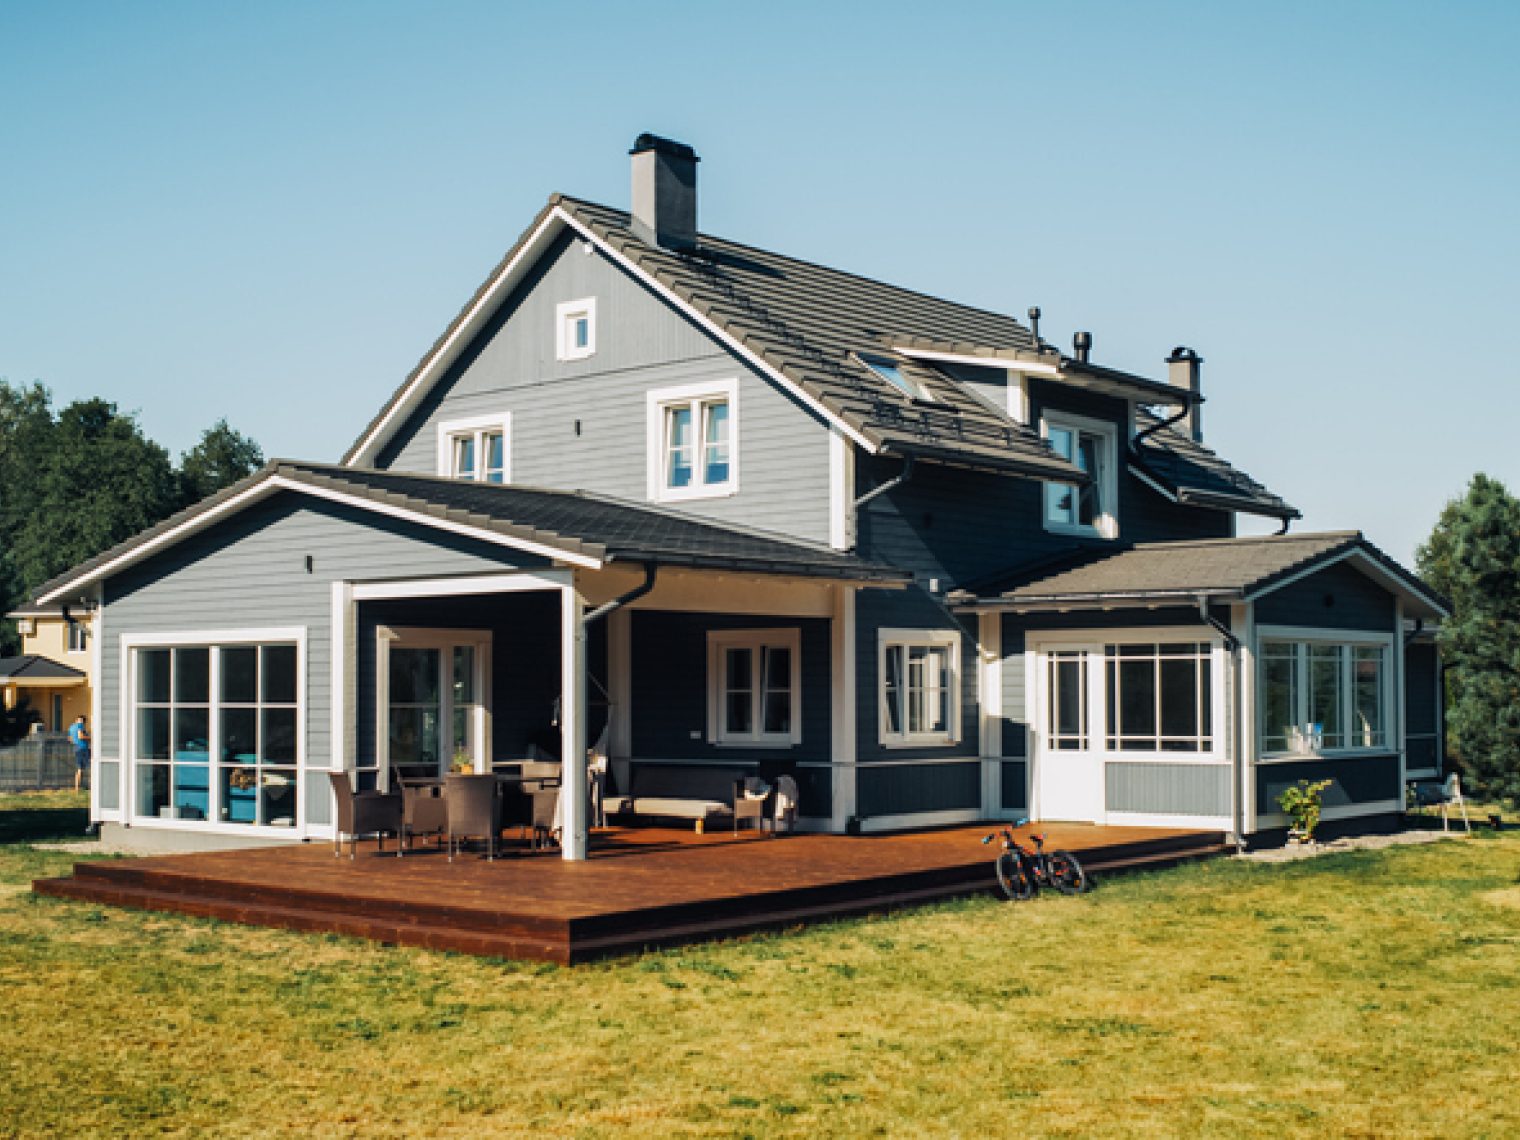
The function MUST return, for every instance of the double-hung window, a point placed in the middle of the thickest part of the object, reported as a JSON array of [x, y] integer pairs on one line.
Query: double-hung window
[[919, 686], [693, 441], [754, 686], [1089, 508], [575, 329], [79, 637], [478, 448], [1323, 693]]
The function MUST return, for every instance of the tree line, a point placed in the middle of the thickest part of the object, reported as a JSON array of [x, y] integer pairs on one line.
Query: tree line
[[77, 481]]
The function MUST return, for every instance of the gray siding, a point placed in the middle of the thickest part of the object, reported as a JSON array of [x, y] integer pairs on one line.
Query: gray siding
[[900, 789], [1356, 780], [582, 424], [250, 571], [1337, 597], [1167, 789]]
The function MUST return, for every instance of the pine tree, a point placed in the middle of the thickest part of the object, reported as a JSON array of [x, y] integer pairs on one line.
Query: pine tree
[[1473, 557]]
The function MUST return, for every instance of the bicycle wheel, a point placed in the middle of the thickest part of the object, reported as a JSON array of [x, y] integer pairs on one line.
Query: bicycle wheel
[[1013, 877], [1066, 873]]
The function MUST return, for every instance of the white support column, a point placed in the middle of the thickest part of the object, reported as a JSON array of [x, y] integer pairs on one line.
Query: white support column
[[1400, 691], [572, 724], [1243, 738], [990, 701], [340, 677], [843, 709]]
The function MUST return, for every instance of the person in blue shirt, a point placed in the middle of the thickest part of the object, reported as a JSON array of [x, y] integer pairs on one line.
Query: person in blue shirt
[[79, 736]]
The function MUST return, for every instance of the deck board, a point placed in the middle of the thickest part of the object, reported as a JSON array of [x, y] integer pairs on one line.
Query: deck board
[[640, 887]]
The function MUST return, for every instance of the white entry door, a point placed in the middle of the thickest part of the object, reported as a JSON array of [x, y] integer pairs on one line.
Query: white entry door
[[1068, 775]]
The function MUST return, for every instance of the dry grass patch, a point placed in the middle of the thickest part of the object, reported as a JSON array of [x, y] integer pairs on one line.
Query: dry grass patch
[[1365, 994]]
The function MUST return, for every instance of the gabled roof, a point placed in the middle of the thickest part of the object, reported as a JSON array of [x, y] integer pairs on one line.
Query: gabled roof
[[573, 527], [802, 324], [1221, 569], [1188, 472], [34, 669]]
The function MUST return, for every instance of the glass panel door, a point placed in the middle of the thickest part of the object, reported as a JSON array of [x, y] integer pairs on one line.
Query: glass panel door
[[416, 709]]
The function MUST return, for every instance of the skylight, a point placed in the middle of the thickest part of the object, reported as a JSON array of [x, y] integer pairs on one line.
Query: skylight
[[889, 371]]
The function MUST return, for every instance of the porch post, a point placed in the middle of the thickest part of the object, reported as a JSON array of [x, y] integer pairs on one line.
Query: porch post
[[572, 723], [844, 712]]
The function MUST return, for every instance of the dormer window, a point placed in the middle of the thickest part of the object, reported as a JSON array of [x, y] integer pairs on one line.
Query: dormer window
[[575, 329], [478, 449], [1092, 508]]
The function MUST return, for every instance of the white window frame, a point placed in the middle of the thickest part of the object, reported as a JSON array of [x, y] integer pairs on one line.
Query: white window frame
[[213, 640], [888, 640], [77, 636], [445, 641], [566, 315], [1349, 640], [479, 427], [1107, 483], [659, 403], [719, 641]]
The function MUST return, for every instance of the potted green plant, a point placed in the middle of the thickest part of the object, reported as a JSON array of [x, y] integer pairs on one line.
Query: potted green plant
[[1303, 804]]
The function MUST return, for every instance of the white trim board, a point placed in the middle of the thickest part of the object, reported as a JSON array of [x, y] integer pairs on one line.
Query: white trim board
[[275, 483]]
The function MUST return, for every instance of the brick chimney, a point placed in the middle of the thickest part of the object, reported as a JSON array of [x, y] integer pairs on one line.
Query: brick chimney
[[665, 192]]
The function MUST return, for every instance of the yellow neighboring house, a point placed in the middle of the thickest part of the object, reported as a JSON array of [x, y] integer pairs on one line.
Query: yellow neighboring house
[[55, 672]]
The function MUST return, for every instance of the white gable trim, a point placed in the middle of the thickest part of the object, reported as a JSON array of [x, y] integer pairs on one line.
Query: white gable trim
[[262, 490], [444, 354], [1369, 567], [719, 334]]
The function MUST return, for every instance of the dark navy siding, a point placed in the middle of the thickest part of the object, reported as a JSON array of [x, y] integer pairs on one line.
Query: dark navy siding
[[1337, 597], [1424, 752], [670, 687], [907, 609], [1015, 786], [900, 789], [1356, 780]]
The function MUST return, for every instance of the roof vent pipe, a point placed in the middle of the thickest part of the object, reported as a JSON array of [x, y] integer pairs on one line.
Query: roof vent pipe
[[1034, 323], [665, 192], [1184, 369], [1081, 345]]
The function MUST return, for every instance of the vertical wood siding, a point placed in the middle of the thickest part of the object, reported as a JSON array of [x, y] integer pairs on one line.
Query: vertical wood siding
[[1167, 789]]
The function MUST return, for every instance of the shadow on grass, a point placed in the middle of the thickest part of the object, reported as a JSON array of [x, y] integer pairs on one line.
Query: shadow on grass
[[31, 825]]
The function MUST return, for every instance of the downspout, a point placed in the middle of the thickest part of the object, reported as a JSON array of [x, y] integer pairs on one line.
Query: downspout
[[650, 570], [1419, 626], [1237, 759], [891, 484]]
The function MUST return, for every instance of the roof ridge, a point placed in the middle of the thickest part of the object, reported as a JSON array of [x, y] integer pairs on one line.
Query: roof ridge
[[570, 199], [1247, 539]]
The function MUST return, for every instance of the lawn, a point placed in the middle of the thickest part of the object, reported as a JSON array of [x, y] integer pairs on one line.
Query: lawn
[[1367, 994]]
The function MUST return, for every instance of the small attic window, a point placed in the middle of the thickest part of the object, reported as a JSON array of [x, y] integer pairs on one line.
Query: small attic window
[[892, 374]]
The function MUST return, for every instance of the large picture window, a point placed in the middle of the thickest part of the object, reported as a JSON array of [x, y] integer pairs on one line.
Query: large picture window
[[919, 687], [754, 685], [1322, 695], [1159, 697], [216, 732], [693, 441]]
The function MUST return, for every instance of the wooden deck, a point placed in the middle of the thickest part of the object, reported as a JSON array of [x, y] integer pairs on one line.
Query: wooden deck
[[640, 888]]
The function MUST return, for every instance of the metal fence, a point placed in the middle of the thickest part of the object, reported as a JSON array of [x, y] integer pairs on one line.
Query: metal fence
[[38, 762]]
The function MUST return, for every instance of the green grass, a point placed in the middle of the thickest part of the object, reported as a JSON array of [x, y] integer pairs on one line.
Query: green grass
[[1368, 994]]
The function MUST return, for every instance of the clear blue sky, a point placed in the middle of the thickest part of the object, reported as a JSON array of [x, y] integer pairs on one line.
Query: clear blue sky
[[267, 211]]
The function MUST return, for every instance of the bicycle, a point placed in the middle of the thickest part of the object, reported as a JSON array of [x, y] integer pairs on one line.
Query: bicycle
[[1022, 872]]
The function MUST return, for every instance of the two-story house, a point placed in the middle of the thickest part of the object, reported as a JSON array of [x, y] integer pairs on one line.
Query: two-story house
[[727, 509], [54, 672]]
